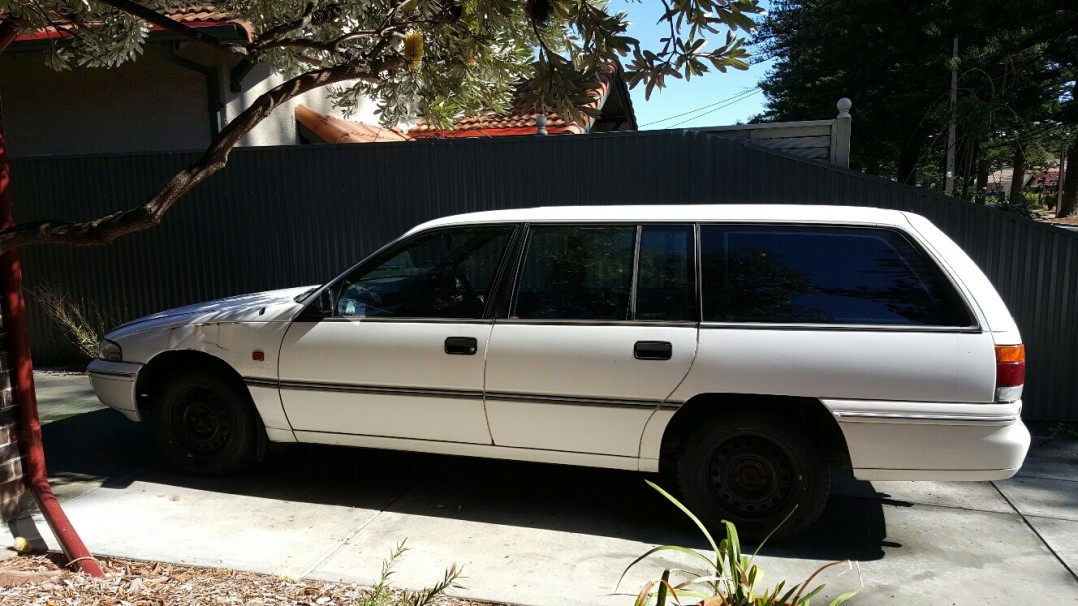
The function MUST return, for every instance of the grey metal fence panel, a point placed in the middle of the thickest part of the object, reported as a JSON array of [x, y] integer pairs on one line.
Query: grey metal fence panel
[[289, 216]]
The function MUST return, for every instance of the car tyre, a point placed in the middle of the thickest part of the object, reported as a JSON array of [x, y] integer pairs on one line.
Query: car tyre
[[204, 423], [754, 471]]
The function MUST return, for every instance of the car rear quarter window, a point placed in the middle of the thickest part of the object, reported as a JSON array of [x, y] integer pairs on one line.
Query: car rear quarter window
[[823, 275], [665, 284]]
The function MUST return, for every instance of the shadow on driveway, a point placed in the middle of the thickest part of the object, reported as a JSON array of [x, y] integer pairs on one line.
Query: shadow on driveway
[[103, 449]]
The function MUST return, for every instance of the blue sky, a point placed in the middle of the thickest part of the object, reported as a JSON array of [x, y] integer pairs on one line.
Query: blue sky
[[713, 100]]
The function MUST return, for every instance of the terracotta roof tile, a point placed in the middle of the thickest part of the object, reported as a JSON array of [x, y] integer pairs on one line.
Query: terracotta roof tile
[[336, 130], [496, 122], [196, 13], [206, 15]]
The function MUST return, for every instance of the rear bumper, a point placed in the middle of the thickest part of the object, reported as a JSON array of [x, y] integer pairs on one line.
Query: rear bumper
[[114, 383], [932, 441]]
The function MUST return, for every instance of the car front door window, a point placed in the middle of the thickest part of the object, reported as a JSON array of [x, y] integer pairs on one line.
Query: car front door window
[[441, 274]]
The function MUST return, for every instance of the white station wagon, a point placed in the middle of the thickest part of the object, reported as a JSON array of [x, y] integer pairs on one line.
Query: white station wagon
[[743, 350]]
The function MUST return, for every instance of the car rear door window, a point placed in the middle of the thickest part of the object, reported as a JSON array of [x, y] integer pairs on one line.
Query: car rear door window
[[823, 275]]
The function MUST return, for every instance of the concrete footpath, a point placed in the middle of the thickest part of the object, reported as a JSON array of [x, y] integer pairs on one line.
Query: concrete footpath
[[538, 534]]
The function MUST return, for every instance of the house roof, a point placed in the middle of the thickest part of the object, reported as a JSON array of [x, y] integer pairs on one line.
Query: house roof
[[191, 16], [611, 98], [517, 122], [336, 130]]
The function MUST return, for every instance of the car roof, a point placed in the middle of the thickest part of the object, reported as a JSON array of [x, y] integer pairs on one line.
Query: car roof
[[771, 213]]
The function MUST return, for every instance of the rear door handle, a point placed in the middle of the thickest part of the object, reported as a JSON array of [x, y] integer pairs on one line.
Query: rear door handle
[[461, 346], [653, 350]]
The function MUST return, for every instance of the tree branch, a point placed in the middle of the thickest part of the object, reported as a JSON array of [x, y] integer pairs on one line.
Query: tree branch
[[330, 46], [284, 28], [105, 229], [333, 46], [153, 17]]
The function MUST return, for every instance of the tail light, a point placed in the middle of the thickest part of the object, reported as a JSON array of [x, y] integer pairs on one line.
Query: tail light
[[1010, 372]]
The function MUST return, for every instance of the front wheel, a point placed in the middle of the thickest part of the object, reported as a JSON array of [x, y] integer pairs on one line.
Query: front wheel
[[753, 471], [205, 424]]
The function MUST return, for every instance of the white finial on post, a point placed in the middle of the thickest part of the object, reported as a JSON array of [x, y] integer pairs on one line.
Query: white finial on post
[[844, 104], [540, 122], [840, 134]]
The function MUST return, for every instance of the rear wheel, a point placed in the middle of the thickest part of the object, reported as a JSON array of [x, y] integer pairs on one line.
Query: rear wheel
[[204, 423], [753, 471]]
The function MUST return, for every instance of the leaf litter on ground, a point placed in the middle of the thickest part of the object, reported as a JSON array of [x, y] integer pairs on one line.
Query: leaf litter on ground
[[32, 580]]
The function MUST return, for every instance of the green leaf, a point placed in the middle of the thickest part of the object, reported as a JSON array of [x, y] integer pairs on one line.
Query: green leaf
[[664, 584], [805, 598], [734, 544], [654, 550], [842, 598], [786, 596], [696, 520]]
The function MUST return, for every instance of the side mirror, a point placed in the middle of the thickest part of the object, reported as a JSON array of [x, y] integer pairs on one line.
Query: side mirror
[[324, 304]]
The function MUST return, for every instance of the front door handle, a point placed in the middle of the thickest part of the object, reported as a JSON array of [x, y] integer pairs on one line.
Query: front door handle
[[653, 350], [461, 346]]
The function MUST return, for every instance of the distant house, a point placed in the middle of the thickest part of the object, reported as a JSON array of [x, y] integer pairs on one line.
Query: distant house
[[175, 96], [611, 96], [611, 99], [999, 182]]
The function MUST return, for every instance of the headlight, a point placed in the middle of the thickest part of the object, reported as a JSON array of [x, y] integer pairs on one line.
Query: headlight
[[110, 351]]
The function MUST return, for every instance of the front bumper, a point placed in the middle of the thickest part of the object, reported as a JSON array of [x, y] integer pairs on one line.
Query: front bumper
[[114, 383]]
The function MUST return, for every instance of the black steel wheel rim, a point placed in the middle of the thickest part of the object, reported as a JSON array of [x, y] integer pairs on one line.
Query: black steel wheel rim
[[202, 421], [752, 475]]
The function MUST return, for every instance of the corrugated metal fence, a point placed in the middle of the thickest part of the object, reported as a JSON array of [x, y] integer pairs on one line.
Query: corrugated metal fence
[[290, 216]]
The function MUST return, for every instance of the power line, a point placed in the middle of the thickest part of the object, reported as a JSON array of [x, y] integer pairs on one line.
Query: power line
[[738, 97], [738, 100], [735, 98]]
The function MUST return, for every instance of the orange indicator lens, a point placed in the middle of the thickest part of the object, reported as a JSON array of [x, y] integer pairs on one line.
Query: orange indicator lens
[[1010, 353]]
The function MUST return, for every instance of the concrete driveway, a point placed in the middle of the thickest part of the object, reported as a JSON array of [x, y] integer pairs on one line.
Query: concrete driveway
[[538, 534]]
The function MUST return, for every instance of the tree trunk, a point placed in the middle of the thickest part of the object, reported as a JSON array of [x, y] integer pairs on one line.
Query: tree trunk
[[969, 151], [907, 164], [1068, 206], [1018, 180], [982, 178]]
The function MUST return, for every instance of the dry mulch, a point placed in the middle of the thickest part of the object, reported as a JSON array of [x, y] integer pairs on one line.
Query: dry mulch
[[42, 580], [1050, 217]]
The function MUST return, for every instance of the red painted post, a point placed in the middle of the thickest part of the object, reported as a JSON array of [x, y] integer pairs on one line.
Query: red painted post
[[29, 432]]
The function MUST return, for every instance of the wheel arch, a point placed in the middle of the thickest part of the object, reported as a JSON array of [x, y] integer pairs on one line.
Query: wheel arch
[[167, 364], [809, 413]]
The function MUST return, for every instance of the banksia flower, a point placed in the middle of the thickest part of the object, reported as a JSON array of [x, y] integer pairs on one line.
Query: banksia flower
[[413, 49], [326, 14], [539, 10]]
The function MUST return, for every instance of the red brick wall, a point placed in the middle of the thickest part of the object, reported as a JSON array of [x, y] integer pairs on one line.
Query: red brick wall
[[11, 464]]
